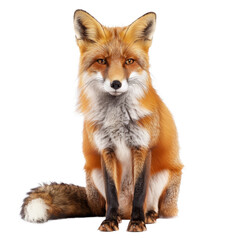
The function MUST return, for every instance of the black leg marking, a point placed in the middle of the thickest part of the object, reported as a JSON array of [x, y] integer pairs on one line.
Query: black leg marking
[[137, 223], [111, 221], [139, 196], [111, 195]]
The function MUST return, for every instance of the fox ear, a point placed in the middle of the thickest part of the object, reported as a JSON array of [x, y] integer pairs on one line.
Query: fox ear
[[142, 29], [86, 27]]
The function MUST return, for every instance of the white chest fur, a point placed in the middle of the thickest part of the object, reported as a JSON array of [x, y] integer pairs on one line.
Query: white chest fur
[[116, 119]]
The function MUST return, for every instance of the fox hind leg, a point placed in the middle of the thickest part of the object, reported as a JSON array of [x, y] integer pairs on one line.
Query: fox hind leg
[[157, 184], [168, 200]]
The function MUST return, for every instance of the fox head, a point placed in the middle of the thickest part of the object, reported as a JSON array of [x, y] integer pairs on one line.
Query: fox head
[[113, 61]]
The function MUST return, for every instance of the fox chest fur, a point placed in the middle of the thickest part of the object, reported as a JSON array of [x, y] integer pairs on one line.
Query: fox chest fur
[[117, 126]]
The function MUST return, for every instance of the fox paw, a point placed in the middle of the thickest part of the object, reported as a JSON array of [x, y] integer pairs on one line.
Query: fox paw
[[136, 226], [151, 217], [109, 226]]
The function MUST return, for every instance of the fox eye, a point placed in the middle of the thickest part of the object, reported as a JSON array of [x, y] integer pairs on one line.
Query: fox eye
[[129, 61], [101, 61]]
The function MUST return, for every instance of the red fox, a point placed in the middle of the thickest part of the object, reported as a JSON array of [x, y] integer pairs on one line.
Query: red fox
[[130, 144]]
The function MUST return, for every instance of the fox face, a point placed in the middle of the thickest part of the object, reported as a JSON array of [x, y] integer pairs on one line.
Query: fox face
[[114, 61]]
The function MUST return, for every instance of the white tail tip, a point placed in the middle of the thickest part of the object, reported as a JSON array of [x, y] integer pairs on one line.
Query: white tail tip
[[36, 211]]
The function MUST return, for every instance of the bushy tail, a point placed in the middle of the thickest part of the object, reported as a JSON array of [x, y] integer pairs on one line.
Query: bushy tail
[[61, 201]]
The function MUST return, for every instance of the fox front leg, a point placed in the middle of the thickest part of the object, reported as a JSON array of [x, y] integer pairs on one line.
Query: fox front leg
[[109, 167], [141, 171]]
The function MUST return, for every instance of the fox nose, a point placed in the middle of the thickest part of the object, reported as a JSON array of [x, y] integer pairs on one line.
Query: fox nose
[[116, 84]]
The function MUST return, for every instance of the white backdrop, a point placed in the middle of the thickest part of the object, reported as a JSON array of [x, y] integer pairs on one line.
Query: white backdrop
[[195, 64]]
